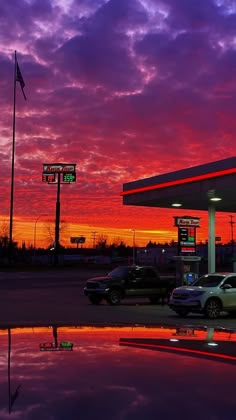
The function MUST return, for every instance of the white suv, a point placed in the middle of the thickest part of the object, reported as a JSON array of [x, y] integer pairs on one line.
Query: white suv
[[210, 295]]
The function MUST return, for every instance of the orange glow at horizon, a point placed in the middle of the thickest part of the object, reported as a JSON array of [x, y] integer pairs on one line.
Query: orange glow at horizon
[[25, 231], [132, 331]]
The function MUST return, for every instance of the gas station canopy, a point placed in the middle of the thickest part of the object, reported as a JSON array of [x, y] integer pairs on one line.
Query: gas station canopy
[[191, 188], [209, 187]]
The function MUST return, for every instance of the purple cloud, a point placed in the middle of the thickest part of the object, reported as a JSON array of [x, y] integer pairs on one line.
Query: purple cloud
[[122, 88]]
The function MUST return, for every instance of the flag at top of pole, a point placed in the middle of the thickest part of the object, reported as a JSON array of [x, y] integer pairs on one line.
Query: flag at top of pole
[[19, 78]]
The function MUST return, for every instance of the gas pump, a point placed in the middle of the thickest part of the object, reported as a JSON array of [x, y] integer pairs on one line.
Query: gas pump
[[187, 269]]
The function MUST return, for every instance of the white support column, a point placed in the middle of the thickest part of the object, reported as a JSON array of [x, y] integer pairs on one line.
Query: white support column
[[211, 239]]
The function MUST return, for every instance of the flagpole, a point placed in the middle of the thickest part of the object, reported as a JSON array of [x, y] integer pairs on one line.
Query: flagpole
[[11, 397], [12, 168]]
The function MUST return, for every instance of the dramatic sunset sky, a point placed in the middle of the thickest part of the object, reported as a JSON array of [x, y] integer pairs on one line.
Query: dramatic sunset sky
[[126, 89]]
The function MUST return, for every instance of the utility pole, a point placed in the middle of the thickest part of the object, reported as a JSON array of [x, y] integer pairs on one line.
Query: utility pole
[[57, 222], [134, 247], [232, 233], [94, 238]]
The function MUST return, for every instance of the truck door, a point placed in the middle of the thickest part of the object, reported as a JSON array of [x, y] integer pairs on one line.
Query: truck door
[[150, 279], [134, 285]]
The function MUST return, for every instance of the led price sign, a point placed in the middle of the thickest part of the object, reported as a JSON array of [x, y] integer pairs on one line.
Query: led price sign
[[188, 249], [183, 234], [187, 239], [46, 346], [50, 346], [48, 177], [69, 177], [187, 236], [66, 345]]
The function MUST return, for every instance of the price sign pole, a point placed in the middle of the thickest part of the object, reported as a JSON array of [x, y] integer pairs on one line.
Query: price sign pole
[[57, 221], [52, 174]]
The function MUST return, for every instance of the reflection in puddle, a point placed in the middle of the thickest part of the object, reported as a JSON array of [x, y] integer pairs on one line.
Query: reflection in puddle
[[99, 378]]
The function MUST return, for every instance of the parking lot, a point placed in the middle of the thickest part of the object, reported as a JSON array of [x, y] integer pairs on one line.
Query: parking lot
[[57, 297]]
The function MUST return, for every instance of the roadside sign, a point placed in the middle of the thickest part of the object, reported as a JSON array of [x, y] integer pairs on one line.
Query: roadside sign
[[77, 240], [187, 221], [50, 346], [59, 167]]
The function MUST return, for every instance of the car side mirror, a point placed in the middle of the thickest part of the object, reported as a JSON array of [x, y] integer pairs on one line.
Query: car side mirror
[[226, 286]]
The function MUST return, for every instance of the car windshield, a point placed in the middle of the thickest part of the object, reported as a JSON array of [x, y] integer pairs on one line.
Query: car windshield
[[118, 272], [209, 280]]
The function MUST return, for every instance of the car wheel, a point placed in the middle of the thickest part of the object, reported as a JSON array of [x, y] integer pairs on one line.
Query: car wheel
[[114, 297], [182, 312], [95, 300], [212, 308]]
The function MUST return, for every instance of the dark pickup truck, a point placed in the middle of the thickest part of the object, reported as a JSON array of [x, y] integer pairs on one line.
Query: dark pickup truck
[[129, 282]]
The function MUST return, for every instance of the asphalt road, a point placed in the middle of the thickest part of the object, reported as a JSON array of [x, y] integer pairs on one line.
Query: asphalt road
[[56, 297]]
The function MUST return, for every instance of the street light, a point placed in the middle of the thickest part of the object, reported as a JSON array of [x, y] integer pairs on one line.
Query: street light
[[41, 215]]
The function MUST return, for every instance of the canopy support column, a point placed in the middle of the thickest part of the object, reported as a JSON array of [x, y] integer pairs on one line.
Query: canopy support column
[[211, 239]]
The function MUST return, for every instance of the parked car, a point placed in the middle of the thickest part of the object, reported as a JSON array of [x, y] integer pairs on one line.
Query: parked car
[[129, 282], [210, 295]]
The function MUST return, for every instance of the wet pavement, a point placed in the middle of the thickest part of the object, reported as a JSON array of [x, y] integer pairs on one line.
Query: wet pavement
[[124, 373]]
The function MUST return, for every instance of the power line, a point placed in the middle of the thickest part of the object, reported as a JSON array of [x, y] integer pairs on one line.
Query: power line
[[232, 232], [232, 227]]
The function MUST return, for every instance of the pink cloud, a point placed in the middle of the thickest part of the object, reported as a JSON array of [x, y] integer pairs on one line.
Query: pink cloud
[[125, 89]]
